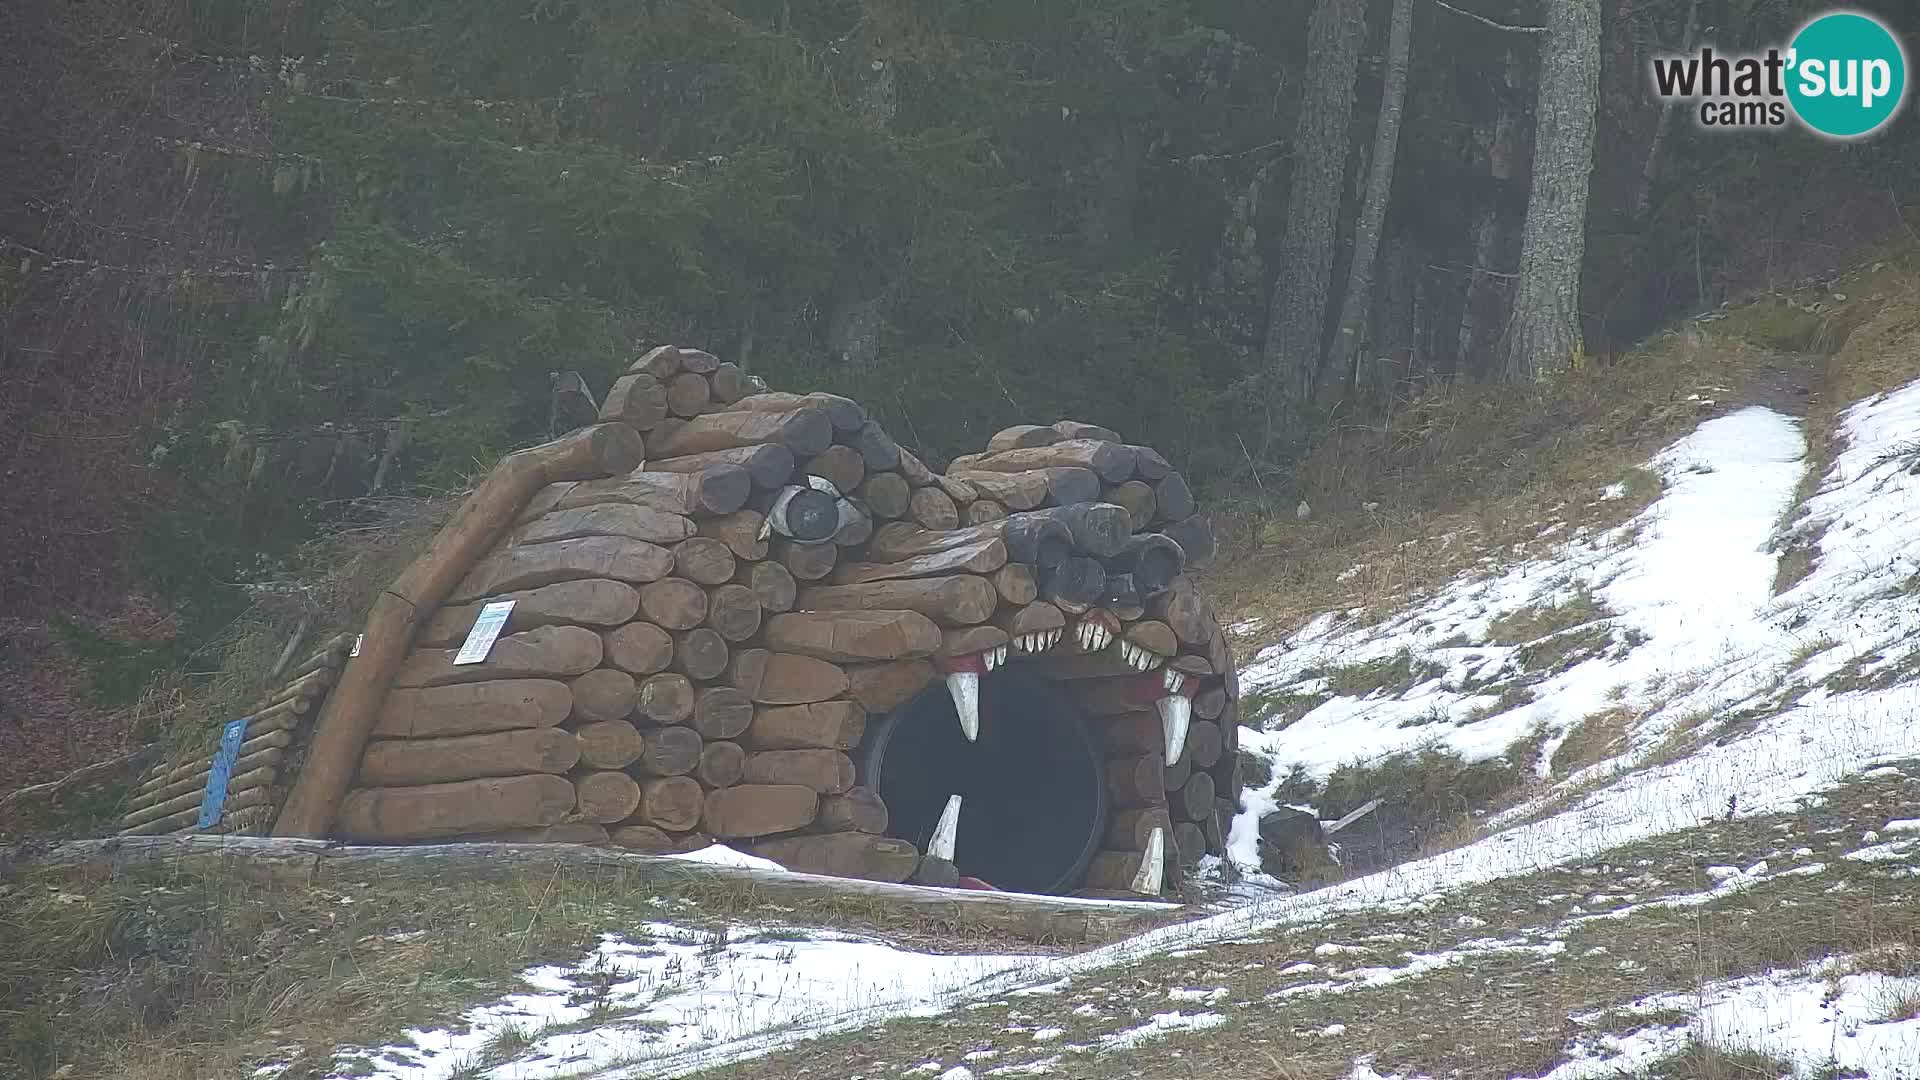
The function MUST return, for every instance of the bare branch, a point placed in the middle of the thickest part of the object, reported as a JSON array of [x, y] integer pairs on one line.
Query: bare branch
[[1490, 22]]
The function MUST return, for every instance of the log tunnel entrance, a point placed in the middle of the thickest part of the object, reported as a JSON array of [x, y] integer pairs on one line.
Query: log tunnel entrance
[[1033, 787]]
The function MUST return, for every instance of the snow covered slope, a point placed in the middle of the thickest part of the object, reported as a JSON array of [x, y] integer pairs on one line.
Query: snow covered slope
[[1736, 703]]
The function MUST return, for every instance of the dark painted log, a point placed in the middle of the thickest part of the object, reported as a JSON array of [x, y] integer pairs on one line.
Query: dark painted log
[[1175, 776], [1148, 465], [1079, 580], [1190, 843], [1153, 560], [1132, 732], [844, 414], [1128, 830], [1196, 538], [936, 873], [1137, 781], [638, 648], [1203, 743], [473, 708], [1175, 497], [1195, 801], [806, 562], [1211, 701], [1036, 539], [1120, 594], [844, 855], [1115, 871], [768, 465], [877, 448], [826, 725], [1098, 529], [958, 600], [603, 694], [854, 531]]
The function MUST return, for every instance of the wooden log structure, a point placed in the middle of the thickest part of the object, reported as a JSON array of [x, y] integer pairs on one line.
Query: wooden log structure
[[680, 668]]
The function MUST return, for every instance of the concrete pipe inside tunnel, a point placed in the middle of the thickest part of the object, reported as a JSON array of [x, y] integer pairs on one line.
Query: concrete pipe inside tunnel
[[1033, 786]]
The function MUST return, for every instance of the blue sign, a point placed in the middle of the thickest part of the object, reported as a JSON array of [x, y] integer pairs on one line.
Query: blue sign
[[223, 759]]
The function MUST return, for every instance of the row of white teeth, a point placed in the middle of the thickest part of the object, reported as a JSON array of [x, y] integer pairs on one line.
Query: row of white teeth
[[994, 657], [1092, 636], [1146, 881], [1137, 658], [1040, 641]]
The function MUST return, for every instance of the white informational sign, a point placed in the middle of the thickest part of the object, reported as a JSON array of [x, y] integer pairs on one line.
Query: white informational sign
[[485, 630], [357, 639]]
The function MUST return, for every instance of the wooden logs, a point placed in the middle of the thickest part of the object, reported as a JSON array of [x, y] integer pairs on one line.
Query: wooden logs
[[1034, 539], [749, 810], [1022, 435], [768, 466], [673, 603], [1183, 609], [603, 694], [969, 640], [1137, 496], [728, 383], [1196, 538], [1100, 530], [721, 764], [772, 584], [1136, 781], [979, 557], [688, 394], [858, 809], [844, 854], [716, 489], [608, 744], [399, 762], [666, 698], [1194, 801], [932, 508], [705, 560], [605, 796], [641, 839], [877, 448], [827, 772], [606, 519], [854, 635], [587, 602], [840, 466], [807, 562], [379, 815], [771, 678], [959, 600], [638, 648], [1015, 583], [1203, 743], [701, 653], [1174, 777], [885, 494], [1189, 843], [883, 687], [1079, 582], [740, 531], [804, 431], [473, 708], [637, 399], [1211, 701], [844, 414], [672, 803], [668, 751], [340, 734], [1112, 461], [1148, 465], [1130, 733], [1116, 871], [915, 471], [1153, 561], [1174, 496], [981, 511], [565, 832], [721, 712], [544, 652], [1129, 830], [528, 566], [1075, 429], [1038, 617], [827, 725], [1037, 487]]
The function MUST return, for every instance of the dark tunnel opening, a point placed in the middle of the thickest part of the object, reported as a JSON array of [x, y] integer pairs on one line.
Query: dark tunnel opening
[[1033, 787]]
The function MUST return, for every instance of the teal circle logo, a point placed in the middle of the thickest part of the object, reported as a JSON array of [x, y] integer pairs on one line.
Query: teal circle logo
[[1847, 75]]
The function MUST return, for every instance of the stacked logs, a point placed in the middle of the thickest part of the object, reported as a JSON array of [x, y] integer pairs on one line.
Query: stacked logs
[[696, 646], [168, 798]]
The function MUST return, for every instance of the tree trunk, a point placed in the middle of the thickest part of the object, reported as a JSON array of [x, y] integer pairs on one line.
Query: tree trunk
[[1373, 213], [1544, 331], [1297, 315]]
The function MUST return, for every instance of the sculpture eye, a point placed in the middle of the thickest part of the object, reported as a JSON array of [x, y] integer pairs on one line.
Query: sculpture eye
[[810, 514]]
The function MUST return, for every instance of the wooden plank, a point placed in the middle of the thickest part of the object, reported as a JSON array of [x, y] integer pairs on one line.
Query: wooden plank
[[400, 762]]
